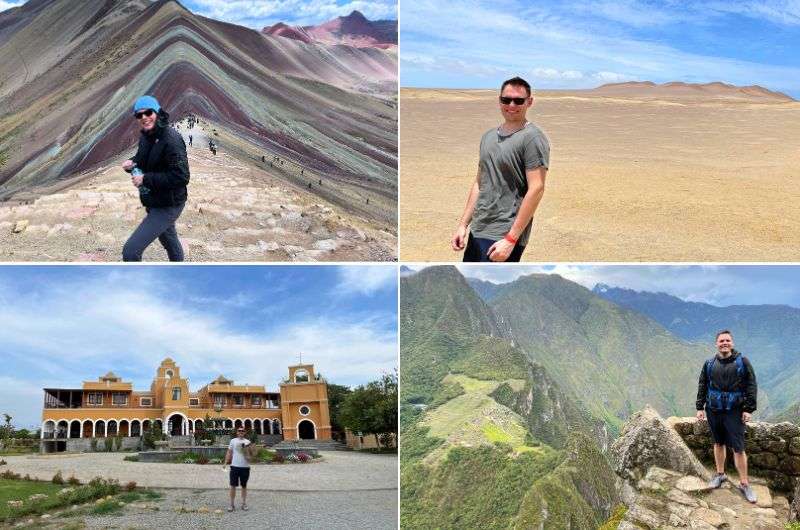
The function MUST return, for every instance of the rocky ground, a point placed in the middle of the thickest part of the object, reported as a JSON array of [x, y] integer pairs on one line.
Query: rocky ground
[[668, 499], [235, 212], [665, 486]]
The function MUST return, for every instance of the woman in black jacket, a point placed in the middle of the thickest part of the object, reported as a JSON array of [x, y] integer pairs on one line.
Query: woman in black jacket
[[160, 170]]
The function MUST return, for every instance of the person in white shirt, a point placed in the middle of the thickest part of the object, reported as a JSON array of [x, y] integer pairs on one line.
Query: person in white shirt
[[240, 467]]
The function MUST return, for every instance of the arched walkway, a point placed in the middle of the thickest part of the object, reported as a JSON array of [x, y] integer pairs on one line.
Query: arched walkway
[[112, 428], [100, 429], [124, 428], [176, 424], [136, 428], [88, 428], [276, 427], [75, 429]]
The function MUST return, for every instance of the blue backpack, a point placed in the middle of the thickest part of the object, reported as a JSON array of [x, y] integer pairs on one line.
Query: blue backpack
[[718, 399]]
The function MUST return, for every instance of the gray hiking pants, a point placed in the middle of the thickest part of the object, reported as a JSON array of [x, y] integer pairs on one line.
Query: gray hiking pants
[[158, 223]]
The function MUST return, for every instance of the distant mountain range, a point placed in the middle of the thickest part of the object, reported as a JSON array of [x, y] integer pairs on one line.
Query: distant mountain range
[[353, 30], [483, 425], [768, 334], [679, 88], [70, 72]]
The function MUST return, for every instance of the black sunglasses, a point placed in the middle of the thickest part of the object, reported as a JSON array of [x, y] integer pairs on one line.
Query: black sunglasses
[[140, 115], [505, 100]]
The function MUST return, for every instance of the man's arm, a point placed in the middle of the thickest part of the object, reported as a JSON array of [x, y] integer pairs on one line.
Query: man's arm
[[751, 388], [228, 457], [502, 249], [459, 239], [702, 391]]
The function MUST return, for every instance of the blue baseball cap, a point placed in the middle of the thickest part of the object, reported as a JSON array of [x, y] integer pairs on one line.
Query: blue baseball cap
[[146, 102]]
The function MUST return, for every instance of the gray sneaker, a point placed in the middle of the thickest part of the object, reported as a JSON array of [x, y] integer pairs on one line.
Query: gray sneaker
[[717, 481], [748, 493]]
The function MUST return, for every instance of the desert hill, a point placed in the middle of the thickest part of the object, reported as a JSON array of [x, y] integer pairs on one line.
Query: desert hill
[[680, 89], [69, 73]]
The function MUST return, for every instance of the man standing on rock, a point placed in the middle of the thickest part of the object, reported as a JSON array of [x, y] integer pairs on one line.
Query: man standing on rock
[[727, 390], [160, 170], [514, 158]]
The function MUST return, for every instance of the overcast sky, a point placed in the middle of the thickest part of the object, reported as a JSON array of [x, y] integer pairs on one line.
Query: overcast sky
[[60, 326], [259, 13], [713, 284], [578, 44]]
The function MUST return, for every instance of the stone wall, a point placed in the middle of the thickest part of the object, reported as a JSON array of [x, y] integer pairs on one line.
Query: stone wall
[[773, 449]]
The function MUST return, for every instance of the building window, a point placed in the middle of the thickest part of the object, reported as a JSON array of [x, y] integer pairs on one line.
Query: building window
[[146, 402], [169, 374], [301, 376], [219, 402], [305, 410], [194, 402], [238, 400], [95, 398], [119, 399], [255, 401], [176, 393]]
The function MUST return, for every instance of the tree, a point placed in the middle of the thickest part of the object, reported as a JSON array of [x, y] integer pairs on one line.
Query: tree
[[336, 397], [7, 430], [372, 409]]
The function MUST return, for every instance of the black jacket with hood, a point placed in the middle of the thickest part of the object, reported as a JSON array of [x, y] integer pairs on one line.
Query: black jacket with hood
[[162, 157], [727, 379]]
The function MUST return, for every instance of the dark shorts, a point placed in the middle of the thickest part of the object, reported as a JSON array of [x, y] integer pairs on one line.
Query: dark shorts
[[478, 250], [727, 428], [239, 475]]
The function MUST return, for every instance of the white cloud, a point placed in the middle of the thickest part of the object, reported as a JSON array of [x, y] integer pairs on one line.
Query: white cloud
[[552, 73], [366, 279], [550, 35], [48, 339], [8, 5]]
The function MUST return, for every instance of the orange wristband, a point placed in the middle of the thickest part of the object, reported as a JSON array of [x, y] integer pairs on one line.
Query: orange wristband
[[508, 237]]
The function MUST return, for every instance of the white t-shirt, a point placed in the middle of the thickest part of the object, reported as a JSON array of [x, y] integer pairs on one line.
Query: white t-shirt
[[237, 446]]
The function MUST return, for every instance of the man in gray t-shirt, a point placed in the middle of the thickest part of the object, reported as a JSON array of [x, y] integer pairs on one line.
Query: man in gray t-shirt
[[240, 467], [514, 159]]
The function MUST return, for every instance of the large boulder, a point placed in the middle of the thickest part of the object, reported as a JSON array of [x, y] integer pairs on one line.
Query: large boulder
[[647, 440], [794, 509]]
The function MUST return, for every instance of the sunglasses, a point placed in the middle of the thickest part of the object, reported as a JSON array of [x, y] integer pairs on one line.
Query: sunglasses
[[140, 115], [505, 100]]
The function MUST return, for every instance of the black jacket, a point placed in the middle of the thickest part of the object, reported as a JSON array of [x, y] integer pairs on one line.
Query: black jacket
[[162, 157], [726, 379]]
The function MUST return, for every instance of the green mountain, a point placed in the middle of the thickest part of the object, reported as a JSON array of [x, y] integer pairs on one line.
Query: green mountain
[[615, 359], [488, 439], [767, 334]]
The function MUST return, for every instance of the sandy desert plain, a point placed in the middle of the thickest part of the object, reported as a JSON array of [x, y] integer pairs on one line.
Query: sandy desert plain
[[637, 173]]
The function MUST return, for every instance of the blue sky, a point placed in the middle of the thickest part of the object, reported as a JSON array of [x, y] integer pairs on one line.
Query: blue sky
[[259, 13], [576, 44], [713, 284], [63, 325]]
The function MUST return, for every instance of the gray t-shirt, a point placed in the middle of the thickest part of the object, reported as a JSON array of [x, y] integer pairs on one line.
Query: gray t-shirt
[[237, 446], [503, 183]]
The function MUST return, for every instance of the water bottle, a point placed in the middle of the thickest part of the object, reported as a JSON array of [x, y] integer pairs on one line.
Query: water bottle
[[136, 172]]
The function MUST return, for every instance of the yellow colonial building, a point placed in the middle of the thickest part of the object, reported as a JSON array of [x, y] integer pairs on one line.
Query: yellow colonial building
[[111, 407]]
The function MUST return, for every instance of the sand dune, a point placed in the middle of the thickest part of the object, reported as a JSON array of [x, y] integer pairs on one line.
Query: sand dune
[[655, 180]]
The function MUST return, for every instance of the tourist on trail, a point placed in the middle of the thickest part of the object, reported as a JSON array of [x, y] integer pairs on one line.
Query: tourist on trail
[[727, 391], [190, 139], [514, 158], [240, 467], [160, 170]]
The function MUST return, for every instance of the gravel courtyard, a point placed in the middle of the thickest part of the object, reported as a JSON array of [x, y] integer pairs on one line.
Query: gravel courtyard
[[344, 490], [338, 471]]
